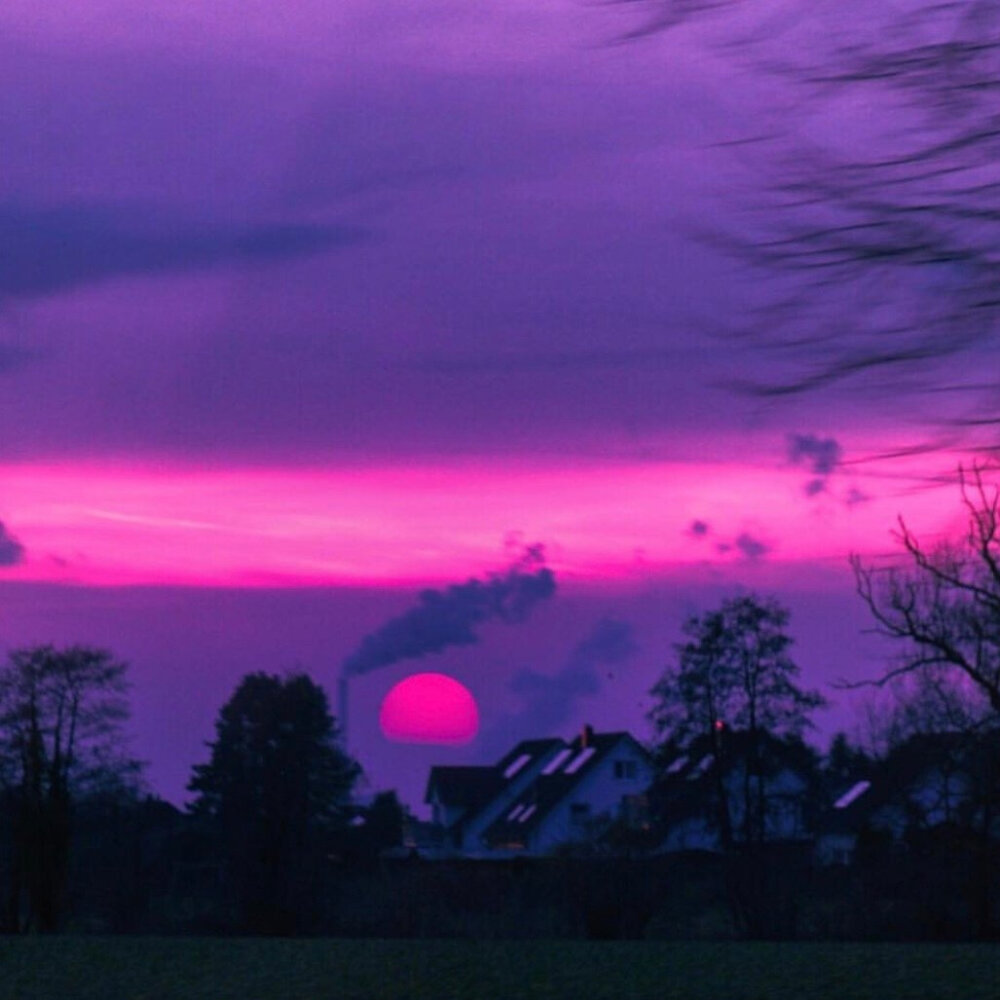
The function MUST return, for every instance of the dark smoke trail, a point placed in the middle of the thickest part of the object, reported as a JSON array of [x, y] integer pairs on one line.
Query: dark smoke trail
[[452, 617]]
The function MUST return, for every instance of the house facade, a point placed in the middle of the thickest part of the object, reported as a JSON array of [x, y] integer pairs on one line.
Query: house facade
[[543, 795]]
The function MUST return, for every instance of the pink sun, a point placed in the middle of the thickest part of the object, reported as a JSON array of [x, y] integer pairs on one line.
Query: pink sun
[[429, 708]]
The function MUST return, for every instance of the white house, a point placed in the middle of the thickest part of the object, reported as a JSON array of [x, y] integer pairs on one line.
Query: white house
[[592, 782], [541, 795], [467, 800]]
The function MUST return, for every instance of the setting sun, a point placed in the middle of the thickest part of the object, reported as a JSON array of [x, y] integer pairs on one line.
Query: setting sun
[[429, 708]]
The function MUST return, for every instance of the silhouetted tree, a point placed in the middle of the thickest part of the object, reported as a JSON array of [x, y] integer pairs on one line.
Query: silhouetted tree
[[276, 783], [733, 691], [943, 605], [61, 739], [734, 672]]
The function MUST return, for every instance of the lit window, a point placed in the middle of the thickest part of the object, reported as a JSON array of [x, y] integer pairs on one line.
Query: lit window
[[852, 793], [701, 767], [557, 761], [579, 760], [516, 765], [677, 765]]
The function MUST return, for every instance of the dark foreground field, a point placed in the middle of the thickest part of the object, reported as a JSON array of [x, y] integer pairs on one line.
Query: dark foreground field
[[149, 968]]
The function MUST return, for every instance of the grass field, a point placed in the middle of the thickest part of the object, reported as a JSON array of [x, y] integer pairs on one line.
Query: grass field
[[152, 968]]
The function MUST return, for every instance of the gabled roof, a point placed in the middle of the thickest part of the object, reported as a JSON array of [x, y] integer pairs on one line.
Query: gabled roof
[[902, 770], [532, 749], [697, 759], [583, 755], [474, 787], [689, 774], [463, 786]]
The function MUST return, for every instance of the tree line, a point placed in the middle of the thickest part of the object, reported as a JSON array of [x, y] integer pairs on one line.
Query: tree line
[[273, 841]]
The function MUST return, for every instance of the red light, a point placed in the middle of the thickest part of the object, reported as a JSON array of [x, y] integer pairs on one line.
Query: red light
[[719, 725]]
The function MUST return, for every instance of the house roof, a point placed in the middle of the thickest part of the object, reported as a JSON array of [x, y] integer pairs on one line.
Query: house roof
[[582, 756], [465, 786], [903, 769], [532, 749], [687, 774], [475, 787]]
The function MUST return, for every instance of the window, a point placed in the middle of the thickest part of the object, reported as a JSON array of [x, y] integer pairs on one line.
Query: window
[[701, 767], [854, 792], [579, 760], [579, 812], [516, 765], [625, 769], [557, 761], [677, 765]]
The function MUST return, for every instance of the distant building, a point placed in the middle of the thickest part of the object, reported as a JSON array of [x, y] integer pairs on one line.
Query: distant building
[[931, 781], [542, 795], [780, 774]]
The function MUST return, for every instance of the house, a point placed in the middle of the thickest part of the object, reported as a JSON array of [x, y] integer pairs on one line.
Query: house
[[466, 800], [542, 795], [775, 775], [928, 782]]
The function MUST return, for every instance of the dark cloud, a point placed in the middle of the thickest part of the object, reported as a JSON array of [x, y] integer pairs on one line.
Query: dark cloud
[[548, 699], [46, 250], [452, 617], [820, 455], [752, 548], [11, 550], [698, 529]]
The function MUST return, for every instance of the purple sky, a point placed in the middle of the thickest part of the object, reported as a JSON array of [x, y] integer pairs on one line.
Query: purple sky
[[442, 252]]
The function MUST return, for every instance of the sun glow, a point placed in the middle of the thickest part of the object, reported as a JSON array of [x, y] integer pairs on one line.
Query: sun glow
[[429, 708]]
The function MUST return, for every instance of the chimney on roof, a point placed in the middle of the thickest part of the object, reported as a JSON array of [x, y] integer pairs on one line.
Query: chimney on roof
[[587, 736]]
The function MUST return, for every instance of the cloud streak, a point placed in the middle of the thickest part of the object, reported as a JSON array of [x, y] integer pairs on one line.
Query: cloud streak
[[48, 250]]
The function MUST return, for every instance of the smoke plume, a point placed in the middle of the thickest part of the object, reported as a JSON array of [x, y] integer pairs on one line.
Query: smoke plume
[[452, 617], [548, 699]]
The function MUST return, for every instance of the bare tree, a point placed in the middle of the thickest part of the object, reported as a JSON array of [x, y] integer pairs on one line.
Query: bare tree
[[61, 719], [880, 239], [944, 606]]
